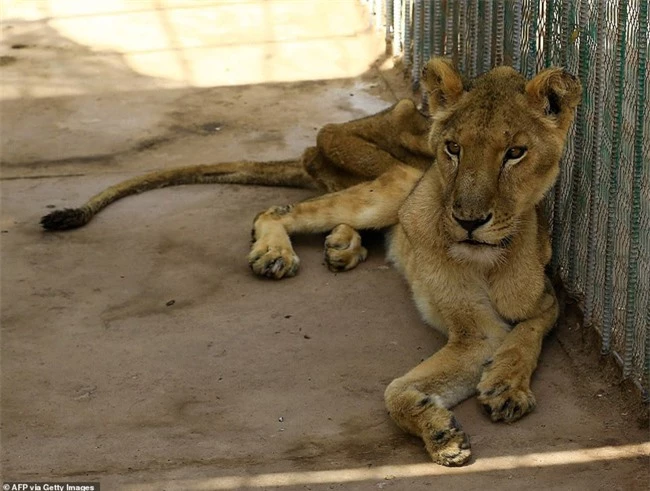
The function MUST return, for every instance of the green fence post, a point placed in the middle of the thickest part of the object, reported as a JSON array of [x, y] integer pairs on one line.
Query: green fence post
[[426, 29], [596, 162], [450, 38], [516, 35], [417, 43], [531, 59], [614, 169], [579, 141], [499, 40], [487, 22], [408, 33], [633, 257]]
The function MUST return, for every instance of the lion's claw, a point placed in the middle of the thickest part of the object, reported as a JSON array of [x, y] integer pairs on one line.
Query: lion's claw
[[504, 390], [273, 262], [506, 404]]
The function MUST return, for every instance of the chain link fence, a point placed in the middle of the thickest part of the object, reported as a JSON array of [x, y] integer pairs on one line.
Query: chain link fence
[[600, 207]]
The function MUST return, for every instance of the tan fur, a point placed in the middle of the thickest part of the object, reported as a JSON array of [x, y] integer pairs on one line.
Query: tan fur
[[460, 200], [467, 235]]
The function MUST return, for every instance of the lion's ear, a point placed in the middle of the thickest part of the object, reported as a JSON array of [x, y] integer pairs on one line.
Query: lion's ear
[[556, 93], [442, 82]]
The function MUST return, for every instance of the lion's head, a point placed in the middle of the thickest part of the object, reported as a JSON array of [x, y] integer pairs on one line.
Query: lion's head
[[498, 141]]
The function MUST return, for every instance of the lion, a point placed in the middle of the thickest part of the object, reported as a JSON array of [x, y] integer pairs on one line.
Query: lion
[[459, 193]]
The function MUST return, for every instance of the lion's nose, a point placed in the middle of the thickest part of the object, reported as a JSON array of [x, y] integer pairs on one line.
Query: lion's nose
[[471, 225]]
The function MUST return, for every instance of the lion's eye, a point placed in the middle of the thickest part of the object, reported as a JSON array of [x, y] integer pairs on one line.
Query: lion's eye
[[514, 153], [452, 148]]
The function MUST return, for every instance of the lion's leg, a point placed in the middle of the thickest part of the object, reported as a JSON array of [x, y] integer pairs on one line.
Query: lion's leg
[[350, 153], [419, 401], [504, 389], [328, 176], [355, 151], [371, 204]]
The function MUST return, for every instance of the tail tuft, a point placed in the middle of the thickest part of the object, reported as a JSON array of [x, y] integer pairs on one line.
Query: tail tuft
[[66, 219]]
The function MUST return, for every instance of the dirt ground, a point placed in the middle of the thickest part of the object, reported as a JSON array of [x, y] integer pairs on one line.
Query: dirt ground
[[140, 352]]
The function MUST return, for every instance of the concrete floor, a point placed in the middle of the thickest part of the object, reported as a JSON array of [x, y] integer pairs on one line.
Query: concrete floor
[[141, 352]]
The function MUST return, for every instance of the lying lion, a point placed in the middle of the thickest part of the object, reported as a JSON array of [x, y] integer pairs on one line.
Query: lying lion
[[459, 193]]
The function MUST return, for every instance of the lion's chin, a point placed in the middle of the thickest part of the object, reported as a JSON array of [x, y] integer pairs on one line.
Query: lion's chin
[[476, 252]]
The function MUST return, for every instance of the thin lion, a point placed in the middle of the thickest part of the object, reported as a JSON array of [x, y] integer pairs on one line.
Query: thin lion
[[459, 193]]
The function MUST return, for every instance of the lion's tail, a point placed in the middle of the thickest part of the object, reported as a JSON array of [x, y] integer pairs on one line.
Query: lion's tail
[[289, 173]]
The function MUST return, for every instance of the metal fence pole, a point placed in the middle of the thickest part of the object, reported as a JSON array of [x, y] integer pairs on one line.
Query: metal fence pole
[[438, 30], [426, 28], [473, 37], [408, 32], [450, 36], [488, 9], [499, 40], [462, 36], [531, 59], [596, 162], [633, 257], [579, 161], [417, 43], [614, 168], [516, 35], [549, 31]]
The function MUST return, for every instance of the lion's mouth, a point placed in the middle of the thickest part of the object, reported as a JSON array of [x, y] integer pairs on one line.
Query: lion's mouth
[[473, 242], [503, 243]]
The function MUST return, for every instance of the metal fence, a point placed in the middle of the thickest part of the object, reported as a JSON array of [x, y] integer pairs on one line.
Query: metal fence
[[600, 207]]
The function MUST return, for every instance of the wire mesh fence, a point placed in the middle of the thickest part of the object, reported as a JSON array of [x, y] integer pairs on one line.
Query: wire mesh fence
[[600, 207]]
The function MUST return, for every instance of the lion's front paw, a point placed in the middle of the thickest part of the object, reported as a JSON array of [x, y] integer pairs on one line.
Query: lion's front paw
[[449, 446], [505, 395], [273, 261], [343, 249]]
